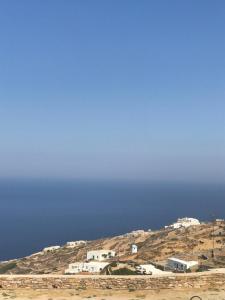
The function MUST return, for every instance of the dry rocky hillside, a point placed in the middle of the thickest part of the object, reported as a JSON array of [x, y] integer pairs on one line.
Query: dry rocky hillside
[[194, 242]]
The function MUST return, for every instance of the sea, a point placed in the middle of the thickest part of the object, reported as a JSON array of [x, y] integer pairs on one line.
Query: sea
[[38, 213]]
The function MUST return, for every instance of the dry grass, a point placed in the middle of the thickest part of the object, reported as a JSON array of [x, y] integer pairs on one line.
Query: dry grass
[[109, 295]]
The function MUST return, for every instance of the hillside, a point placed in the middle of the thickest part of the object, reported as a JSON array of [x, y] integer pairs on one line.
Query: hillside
[[194, 242]]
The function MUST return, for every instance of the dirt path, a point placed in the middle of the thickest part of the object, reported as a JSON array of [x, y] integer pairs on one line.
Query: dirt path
[[110, 295]]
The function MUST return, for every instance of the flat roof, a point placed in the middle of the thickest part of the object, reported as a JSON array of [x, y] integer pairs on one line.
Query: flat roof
[[182, 261]]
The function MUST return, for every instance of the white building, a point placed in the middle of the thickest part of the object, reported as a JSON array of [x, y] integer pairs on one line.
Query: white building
[[100, 255], [180, 265], [90, 267], [134, 249], [75, 244], [219, 220], [184, 222], [136, 233], [51, 248], [149, 269]]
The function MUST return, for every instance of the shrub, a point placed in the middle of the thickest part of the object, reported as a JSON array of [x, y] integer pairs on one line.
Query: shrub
[[123, 271], [7, 267]]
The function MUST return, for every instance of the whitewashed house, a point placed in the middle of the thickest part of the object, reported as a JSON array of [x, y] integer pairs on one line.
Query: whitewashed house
[[134, 249], [220, 220], [184, 222], [75, 244], [177, 264], [51, 248], [100, 255], [90, 267], [136, 233]]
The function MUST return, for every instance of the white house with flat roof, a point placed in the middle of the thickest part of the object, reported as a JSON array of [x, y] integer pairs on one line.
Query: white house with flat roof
[[179, 264], [51, 249], [75, 244], [90, 267], [184, 222], [100, 255]]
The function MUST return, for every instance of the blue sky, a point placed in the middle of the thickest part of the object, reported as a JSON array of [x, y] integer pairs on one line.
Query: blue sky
[[113, 89]]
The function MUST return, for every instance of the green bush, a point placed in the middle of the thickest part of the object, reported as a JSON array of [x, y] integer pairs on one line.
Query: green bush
[[123, 271], [6, 267], [113, 264]]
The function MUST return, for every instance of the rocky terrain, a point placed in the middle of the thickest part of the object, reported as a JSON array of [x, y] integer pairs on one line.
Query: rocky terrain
[[192, 243]]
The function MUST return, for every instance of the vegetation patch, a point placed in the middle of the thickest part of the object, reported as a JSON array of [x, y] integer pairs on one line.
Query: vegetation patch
[[123, 271], [6, 267]]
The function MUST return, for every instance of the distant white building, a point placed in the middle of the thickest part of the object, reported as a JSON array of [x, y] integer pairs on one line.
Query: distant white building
[[134, 249], [184, 222], [180, 265], [90, 267], [149, 269], [219, 220], [75, 244], [136, 233], [100, 255], [51, 248]]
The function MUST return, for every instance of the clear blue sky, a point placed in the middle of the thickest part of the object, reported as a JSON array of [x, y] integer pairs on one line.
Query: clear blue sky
[[121, 89]]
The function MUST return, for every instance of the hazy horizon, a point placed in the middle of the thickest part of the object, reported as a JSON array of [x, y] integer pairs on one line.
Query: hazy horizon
[[113, 90]]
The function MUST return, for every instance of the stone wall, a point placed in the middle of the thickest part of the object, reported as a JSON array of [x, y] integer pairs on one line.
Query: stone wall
[[189, 281]]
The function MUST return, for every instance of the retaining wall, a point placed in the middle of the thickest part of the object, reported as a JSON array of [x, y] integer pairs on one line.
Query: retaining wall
[[195, 281]]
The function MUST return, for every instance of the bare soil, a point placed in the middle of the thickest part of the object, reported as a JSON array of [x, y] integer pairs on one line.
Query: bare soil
[[111, 295]]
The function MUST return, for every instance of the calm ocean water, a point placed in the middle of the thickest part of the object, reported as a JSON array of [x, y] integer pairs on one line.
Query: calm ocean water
[[35, 214]]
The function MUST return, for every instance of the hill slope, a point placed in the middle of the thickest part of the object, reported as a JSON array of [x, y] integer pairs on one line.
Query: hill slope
[[195, 242]]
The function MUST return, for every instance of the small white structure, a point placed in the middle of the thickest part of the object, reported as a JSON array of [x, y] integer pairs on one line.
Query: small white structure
[[100, 255], [51, 248], [184, 222], [136, 233], [219, 220], [149, 269], [180, 265], [75, 244], [90, 267], [134, 249]]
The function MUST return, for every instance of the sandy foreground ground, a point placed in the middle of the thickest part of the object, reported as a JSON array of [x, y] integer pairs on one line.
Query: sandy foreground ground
[[110, 295]]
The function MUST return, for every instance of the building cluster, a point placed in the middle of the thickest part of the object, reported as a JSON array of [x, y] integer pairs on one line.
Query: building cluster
[[184, 222], [90, 267], [172, 264], [98, 260], [68, 245]]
